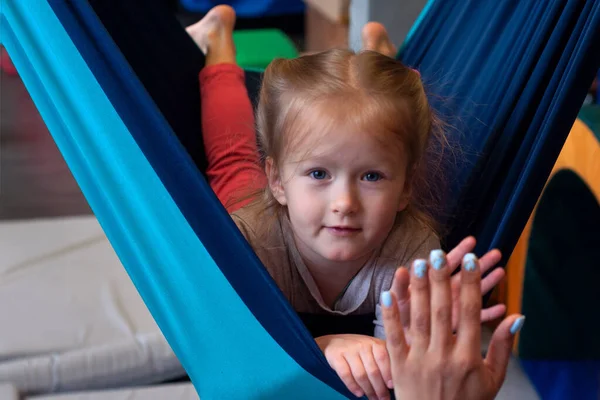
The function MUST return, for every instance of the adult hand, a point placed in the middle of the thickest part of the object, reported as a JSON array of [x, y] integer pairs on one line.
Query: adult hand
[[402, 289], [438, 365]]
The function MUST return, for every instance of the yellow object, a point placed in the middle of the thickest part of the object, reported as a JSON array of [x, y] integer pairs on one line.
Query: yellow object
[[581, 154]]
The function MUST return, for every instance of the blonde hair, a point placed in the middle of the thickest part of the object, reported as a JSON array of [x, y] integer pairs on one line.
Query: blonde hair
[[368, 88]]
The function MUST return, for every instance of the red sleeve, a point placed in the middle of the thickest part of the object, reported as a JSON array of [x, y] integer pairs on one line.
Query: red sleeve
[[229, 136]]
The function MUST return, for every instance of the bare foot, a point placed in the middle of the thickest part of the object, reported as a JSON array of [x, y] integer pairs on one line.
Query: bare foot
[[375, 38], [214, 35]]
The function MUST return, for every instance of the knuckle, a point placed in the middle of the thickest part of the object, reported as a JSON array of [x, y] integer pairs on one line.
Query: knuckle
[[371, 394], [443, 315], [471, 310], [361, 376], [421, 323], [334, 359], [395, 339], [433, 364], [363, 350], [354, 387], [465, 363], [382, 392], [372, 372], [437, 367], [346, 376], [380, 354]]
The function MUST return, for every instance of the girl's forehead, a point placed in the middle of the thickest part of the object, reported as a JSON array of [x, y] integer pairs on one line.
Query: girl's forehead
[[343, 141], [334, 121], [351, 113], [339, 121]]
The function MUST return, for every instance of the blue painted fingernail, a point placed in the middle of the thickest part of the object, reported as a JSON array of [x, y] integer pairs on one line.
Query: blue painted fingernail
[[386, 299], [517, 325], [470, 262], [437, 258], [420, 267]]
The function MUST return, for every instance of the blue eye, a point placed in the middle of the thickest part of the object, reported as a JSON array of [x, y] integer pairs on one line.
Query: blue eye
[[372, 176], [318, 174]]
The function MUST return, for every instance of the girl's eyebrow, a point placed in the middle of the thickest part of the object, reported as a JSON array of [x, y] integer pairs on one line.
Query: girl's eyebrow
[[386, 164], [315, 159], [306, 158]]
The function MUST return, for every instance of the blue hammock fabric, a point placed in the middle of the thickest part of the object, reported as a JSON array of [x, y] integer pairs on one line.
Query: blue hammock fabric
[[510, 78], [140, 166], [249, 8], [226, 320]]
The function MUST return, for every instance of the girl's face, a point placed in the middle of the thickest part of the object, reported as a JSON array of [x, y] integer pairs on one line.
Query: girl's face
[[342, 191]]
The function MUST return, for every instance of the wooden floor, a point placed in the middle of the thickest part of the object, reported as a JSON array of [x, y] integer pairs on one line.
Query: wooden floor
[[35, 181]]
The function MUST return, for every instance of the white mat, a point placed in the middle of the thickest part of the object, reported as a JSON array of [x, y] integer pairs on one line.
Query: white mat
[[8, 392], [69, 315], [71, 320], [164, 392]]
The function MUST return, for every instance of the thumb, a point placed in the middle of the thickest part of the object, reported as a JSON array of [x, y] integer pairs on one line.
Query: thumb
[[402, 294], [501, 346]]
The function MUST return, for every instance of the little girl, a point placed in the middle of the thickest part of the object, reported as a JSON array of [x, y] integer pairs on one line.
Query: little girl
[[341, 140]]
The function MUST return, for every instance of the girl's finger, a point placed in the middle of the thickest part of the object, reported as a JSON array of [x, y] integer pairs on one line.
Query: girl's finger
[[382, 358], [374, 373], [469, 325], [420, 319], [492, 313], [441, 302], [493, 279], [489, 260], [342, 368], [455, 255], [360, 375]]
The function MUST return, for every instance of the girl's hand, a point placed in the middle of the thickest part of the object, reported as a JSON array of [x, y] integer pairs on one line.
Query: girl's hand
[[438, 365], [362, 362], [402, 289]]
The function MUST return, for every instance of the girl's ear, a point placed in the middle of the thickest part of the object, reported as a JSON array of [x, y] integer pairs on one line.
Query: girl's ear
[[408, 188], [404, 201], [275, 181]]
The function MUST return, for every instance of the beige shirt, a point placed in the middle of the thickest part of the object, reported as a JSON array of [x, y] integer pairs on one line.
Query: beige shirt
[[278, 252]]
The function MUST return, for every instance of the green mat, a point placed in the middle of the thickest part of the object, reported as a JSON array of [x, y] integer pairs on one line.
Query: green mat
[[256, 48]]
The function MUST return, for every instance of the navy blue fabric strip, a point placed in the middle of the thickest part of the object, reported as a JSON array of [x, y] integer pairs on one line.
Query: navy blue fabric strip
[[174, 165], [509, 79], [570, 51], [564, 379]]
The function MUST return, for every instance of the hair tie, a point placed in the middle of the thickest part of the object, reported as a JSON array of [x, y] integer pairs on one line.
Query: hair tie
[[418, 73]]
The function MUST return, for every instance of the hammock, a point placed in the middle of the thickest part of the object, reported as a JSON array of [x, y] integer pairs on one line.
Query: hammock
[[116, 83]]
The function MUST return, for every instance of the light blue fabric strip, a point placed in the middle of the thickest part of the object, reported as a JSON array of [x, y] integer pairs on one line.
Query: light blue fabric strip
[[224, 349]]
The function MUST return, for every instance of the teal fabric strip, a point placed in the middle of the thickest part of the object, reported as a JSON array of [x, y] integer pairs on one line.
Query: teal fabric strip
[[223, 348], [590, 115]]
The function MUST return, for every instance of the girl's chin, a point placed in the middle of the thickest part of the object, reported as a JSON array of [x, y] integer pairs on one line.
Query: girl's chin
[[344, 256]]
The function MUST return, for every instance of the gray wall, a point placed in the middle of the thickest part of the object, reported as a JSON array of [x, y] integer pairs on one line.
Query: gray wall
[[397, 16]]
